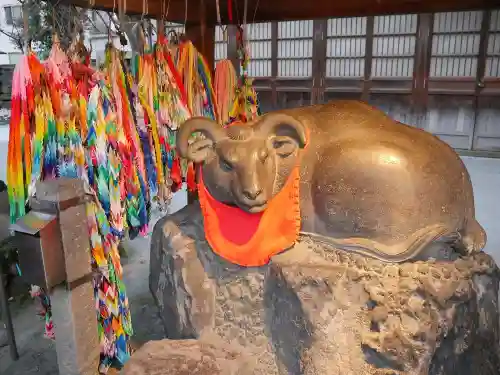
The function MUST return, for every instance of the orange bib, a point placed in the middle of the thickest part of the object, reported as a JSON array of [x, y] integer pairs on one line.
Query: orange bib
[[248, 239]]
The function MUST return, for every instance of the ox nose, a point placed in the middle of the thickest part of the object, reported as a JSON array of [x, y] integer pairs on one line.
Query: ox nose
[[252, 194]]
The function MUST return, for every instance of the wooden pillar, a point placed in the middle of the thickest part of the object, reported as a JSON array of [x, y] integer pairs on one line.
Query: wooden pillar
[[274, 64], [481, 68], [203, 36], [367, 74]]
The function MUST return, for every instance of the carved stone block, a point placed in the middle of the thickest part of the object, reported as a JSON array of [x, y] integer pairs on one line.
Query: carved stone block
[[317, 310], [73, 304], [77, 344]]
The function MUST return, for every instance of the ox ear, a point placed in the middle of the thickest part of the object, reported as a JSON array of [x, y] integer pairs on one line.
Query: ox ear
[[201, 148], [284, 129]]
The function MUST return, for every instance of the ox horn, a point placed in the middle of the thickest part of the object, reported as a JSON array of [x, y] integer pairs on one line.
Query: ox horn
[[198, 151], [288, 125]]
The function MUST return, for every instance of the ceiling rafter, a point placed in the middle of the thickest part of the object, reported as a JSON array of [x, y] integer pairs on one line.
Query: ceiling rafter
[[282, 10]]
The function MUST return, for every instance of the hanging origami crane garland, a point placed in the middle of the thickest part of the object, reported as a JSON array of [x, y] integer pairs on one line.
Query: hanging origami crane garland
[[236, 96], [226, 86], [246, 107], [52, 100], [114, 129]]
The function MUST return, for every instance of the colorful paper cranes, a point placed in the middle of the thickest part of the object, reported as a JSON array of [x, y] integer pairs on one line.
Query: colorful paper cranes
[[114, 129]]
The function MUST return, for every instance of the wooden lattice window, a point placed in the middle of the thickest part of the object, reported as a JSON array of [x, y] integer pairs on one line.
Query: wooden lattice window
[[455, 44], [493, 52], [178, 28], [295, 49], [220, 52], [394, 39], [259, 44], [345, 49]]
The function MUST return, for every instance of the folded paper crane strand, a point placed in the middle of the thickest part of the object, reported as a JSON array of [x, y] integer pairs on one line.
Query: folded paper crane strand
[[115, 129]]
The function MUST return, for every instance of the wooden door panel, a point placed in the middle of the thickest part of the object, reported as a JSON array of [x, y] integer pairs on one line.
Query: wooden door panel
[[451, 118], [487, 134], [293, 99], [399, 107], [266, 101]]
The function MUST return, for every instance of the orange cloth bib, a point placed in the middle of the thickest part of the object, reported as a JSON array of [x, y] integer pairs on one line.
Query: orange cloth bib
[[248, 239]]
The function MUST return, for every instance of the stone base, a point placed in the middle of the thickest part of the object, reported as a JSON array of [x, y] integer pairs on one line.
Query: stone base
[[317, 310], [186, 357]]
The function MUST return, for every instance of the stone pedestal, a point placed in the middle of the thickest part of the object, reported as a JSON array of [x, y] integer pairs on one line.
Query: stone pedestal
[[315, 310]]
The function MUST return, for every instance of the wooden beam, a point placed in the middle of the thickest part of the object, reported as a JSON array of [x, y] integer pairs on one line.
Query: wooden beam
[[282, 10]]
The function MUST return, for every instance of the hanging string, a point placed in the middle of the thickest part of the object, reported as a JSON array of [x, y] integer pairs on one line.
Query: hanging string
[[168, 8], [255, 14], [230, 10], [161, 24], [217, 5], [219, 21], [141, 27], [245, 9], [185, 12], [110, 21]]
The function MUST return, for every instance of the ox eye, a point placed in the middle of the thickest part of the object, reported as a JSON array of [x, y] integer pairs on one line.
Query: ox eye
[[284, 147], [279, 144], [224, 164]]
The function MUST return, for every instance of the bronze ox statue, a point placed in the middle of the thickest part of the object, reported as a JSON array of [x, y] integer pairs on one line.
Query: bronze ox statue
[[368, 184]]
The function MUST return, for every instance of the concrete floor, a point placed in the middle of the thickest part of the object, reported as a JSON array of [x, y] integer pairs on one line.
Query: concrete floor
[[485, 175], [38, 354]]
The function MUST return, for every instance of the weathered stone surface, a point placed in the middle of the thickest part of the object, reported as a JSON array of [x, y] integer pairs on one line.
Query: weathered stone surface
[[316, 310], [3, 335], [187, 357]]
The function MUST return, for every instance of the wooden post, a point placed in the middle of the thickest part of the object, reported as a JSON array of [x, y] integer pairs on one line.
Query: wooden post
[[367, 75], [423, 52], [203, 38], [232, 47], [73, 303]]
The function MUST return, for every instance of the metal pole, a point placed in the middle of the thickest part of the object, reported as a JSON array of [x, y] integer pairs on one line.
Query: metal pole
[[8, 320]]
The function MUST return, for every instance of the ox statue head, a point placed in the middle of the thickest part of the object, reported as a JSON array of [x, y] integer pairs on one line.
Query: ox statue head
[[244, 165]]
